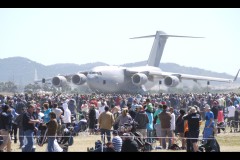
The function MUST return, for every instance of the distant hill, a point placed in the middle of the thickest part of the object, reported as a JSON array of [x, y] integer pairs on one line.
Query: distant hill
[[21, 70]]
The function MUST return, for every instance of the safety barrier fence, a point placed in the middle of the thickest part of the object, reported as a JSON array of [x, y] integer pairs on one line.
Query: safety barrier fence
[[84, 141]]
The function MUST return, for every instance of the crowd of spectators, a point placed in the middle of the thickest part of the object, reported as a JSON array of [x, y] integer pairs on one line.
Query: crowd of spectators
[[157, 115]]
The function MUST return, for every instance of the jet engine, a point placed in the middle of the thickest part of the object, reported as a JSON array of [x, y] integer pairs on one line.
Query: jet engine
[[171, 81], [139, 79], [79, 79], [59, 81]]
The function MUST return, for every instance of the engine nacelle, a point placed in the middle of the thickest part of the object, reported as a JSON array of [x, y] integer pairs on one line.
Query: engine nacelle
[[59, 81], [79, 79], [171, 81], [139, 79]]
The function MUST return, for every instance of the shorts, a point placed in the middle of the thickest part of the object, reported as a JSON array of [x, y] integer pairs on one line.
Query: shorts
[[194, 136]]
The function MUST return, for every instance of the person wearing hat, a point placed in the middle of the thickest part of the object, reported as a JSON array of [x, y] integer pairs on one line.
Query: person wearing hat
[[148, 106], [116, 141], [5, 127], [123, 118], [193, 119]]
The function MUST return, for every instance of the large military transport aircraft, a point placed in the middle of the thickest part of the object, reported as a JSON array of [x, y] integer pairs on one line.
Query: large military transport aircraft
[[118, 79]]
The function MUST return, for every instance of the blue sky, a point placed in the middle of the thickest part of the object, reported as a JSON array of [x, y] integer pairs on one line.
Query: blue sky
[[85, 35]]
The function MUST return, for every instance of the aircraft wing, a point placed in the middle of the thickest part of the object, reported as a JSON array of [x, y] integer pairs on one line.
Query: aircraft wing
[[170, 79], [195, 77], [181, 76], [43, 79]]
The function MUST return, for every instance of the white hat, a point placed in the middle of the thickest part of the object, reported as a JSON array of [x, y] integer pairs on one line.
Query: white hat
[[193, 110], [207, 106]]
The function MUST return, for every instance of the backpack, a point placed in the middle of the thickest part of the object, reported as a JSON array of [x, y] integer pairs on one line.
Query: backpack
[[98, 143], [174, 147], [20, 107]]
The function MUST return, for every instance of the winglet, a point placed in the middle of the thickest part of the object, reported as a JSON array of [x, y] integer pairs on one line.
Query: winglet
[[236, 76]]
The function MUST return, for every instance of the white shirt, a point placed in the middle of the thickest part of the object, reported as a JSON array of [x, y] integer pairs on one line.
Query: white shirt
[[231, 111], [67, 114], [221, 102], [84, 108], [101, 109], [40, 115], [99, 104], [97, 113], [173, 122]]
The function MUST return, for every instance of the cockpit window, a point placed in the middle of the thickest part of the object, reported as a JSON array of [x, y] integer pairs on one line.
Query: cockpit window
[[98, 73]]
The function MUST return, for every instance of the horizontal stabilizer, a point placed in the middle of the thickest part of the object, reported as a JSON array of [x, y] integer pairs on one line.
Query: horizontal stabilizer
[[182, 36], [143, 37], [167, 35]]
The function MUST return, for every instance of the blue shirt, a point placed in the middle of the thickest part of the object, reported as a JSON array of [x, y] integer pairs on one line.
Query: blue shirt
[[156, 113], [46, 117], [150, 118], [208, 116]]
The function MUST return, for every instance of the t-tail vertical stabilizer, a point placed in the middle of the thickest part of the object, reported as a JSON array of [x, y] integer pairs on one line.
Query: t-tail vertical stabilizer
[[158, 46]]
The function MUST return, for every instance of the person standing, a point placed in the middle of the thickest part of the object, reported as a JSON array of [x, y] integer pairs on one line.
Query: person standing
[[102, 107], [5, 127], [157, 123], [193, 119], [230, 115], [106, 121], [209, 123], [180, 128], [58, 113], [91, 119], [220, 120], [215, 113], [19, 122], [142, 120], [66, 117], [165, 118], [173, 125], [150, 127], [72, 107], [85, 108], [46, 112], [51, 131], [14, 125], [29, 127]]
